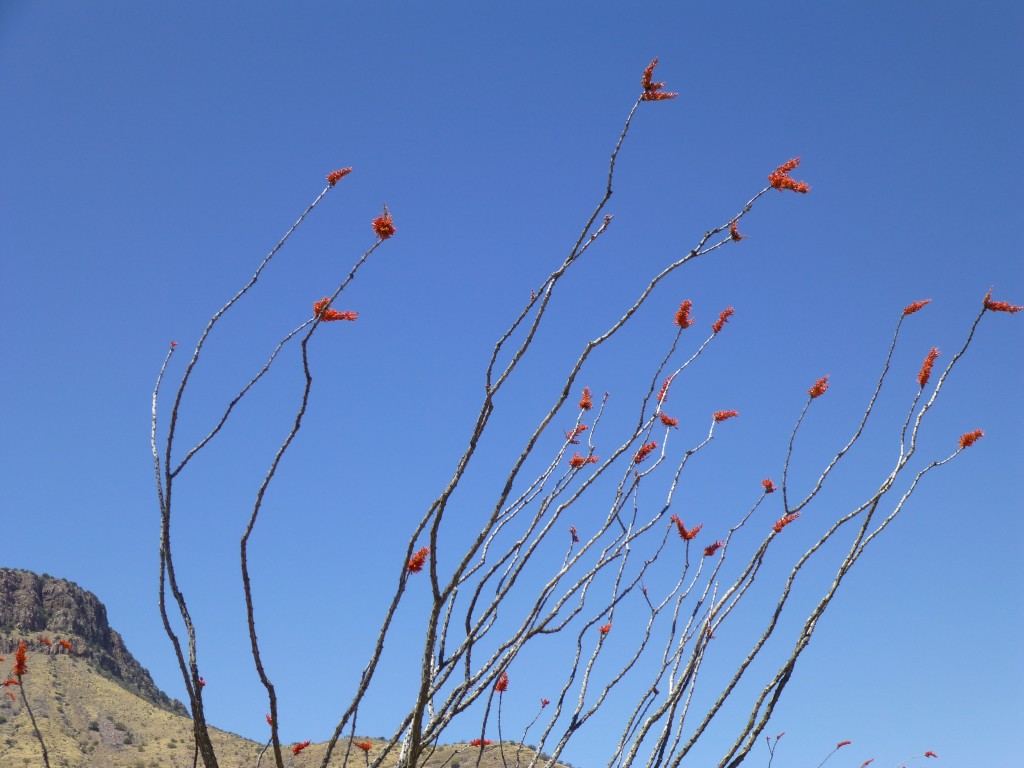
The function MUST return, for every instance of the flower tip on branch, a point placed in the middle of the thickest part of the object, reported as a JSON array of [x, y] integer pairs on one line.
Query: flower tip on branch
[[605, 629], [785, 520], [363, 745], [480, 743], [820, 387], [712, 548], [734, 232], [970, 438], [174, 344], [321, 310], [668, 421], [912, 308], [644, 452], [544, 703], [20, 660], [502, 685], [926, 367], [683, 319], [843, 743], [300, 746], [769, 486], [270, 720], [586, 401], [335, 176], [652, 90], [1000, 306], [929, 753], [723, 415], [418, 560], [383, 225], [780, 178], [723, 318]]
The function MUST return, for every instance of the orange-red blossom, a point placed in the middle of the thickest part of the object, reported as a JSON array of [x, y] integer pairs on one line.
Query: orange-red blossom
[[363, 745], [586, 401], [712, 548], [723, 415], [300, 746], [719, 324], [683, 319], [384, 225], [1000, 306], [785, 520], [321, 310], [926, 367], [684, 534], [20, 660], [769, 486], [578, 461], [912, 308], [644, 452], [335, 176], [820, 387], [502, 685], [970, 438], [418, 560], [652, 90], [780, 179]]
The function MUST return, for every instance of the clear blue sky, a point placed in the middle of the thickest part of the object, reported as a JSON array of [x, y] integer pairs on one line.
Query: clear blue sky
[[151, 154]]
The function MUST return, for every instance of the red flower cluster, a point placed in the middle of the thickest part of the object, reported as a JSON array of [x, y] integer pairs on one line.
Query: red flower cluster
[[683, 319], [663, 392], [780, 179], [66, 646], [929, 753], [734, 232], [46, 641], [970, 438], [719, 324], [480, 743], [270, 720], [586, 402], [769, 486], [544, 703], [502, 685], [685, 535], [820, 387], [418, 560], [11, 681], [843, 743], [926, 367], [335, 176], [300, 746], [20, 660], [712, 548], [572, 434], [644, 452], [723, 415], [785, 520], [604, 629], [668, 421], [321, 310], [1000, 306], [383, 225], [363, 745], [578, 461], [652, 91], [912, 308]]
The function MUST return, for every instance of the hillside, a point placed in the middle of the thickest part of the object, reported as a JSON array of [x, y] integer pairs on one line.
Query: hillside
[[96, 707]]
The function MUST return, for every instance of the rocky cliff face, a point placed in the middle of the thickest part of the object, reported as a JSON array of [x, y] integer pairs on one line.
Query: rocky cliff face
[[32, 606]]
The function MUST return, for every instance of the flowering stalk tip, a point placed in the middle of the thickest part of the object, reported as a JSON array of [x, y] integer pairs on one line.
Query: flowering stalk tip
[[926, 367], [723, 318], [970, 438], [300, 746], [769, 486], [723, 415], [912, 308], [820, 387], [712, 548], [502, 685], [780, 178], [652, 90], [668, 421], [683, 319], [1000, 306], [327, 315], [335, 176], [785, 520], [586, 401], [644, 452], [734, 232], [417, 561], [605, 629], [383, 225]]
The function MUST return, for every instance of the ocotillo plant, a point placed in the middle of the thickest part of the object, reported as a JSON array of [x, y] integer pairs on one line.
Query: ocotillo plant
[[533, 572]]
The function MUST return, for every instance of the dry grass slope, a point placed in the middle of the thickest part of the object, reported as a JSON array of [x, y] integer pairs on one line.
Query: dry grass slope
[[89, 721]]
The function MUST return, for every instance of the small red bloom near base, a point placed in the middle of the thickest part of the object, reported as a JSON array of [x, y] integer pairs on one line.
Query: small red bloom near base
[[575, 534], [270, 720], [683, 319], [970, 438], [10, 682], [723, 318], [300, 746], [999, 306], [605, 629], [480, 743], [663, 392], [586, 402], [734, 233], [572, 434], [418, 560], [544, 703], [66, 646], [668, 421], [912, 308], [46, 641], [929, 753], [820, 387], [363, 745], [644, 452], [383, 225], [335, 176], [769, 486], [502, 685], [926, 367], [723, 415], [712, 548], [202, 683], [782, 522], [20, 659]]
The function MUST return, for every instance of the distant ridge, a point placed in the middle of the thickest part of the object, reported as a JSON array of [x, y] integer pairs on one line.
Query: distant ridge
[[32, 605]]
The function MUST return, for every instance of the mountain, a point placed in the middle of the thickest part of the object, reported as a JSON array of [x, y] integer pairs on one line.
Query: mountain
[[97, 707]]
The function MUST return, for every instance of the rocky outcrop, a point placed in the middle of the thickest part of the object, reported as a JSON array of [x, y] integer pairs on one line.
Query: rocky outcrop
[[32, 606]]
